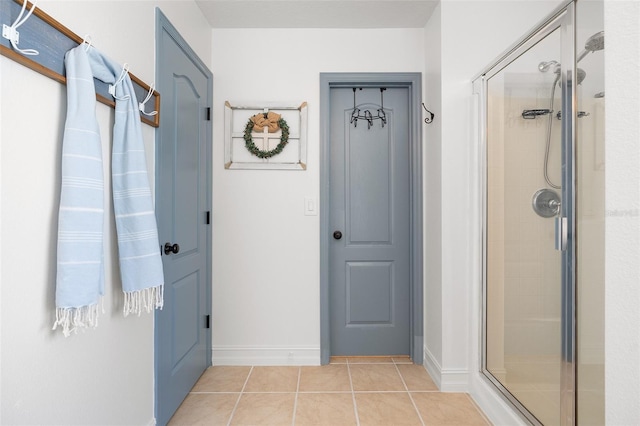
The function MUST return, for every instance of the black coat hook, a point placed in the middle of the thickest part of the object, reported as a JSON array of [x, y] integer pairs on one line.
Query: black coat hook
[[429, 118]]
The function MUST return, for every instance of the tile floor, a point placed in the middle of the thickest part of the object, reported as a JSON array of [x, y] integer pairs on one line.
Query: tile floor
[[349, 391]]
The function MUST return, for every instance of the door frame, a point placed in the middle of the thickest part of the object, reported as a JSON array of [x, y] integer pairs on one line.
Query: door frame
[[413, 82], [164, 25]]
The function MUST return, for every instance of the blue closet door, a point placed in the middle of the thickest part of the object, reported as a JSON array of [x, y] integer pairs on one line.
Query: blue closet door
[[370, 289], [183, 191]]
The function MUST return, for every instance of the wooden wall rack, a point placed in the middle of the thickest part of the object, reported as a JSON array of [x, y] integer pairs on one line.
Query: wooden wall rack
[[53, 40]]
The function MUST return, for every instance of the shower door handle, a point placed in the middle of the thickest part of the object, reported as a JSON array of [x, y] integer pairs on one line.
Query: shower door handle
[[561, 233]]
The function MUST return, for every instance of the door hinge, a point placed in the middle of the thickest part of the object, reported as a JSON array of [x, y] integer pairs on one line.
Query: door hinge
[[207, 321], [208, 113], [208, 218]]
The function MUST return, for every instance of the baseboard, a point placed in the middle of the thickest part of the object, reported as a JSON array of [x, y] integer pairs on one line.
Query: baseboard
[[433, 367], [455, 380], [447, 379], [260, 355], [492, 403]]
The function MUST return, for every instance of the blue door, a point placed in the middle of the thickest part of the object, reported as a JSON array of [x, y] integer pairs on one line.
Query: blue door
[[370, 289], [183, 204]]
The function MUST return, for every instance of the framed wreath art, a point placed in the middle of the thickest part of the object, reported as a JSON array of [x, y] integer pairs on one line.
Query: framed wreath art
[[266, 137]]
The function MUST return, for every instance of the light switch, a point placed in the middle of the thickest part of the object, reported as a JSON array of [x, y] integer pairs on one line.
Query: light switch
[[310, 206]]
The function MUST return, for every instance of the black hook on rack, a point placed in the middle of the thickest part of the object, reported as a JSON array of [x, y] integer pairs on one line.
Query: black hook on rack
[[429, 118], [355, 114], [381, 115]]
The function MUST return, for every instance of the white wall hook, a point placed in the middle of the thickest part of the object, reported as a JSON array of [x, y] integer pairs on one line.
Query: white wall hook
[[88, 42], [112, 87], [11, 32], [141, 105]]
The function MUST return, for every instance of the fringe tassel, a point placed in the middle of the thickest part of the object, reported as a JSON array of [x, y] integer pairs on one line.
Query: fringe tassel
[[73, 319], [146, 299]]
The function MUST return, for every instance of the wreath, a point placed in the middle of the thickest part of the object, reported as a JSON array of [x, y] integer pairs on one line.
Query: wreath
[[273, 122]]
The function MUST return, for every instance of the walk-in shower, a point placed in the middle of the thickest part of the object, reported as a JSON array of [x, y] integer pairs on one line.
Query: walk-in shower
[[542, 121]]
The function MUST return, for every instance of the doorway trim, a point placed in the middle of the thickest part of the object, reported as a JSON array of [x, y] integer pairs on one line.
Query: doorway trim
[[412, 81]]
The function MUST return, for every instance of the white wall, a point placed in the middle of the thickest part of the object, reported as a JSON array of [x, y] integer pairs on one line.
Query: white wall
[[102, 376], [433, 199], [622, 214], [266, 298]]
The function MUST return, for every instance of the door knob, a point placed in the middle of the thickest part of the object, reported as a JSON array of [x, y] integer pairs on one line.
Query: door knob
[[169, 248], [337, 235]]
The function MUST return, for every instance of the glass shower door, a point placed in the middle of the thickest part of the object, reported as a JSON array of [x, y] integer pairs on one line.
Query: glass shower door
[[542, 133], [590, 223], [527, 267]]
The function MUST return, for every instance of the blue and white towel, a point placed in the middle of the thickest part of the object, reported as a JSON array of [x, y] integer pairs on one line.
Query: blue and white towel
[[80, 274]]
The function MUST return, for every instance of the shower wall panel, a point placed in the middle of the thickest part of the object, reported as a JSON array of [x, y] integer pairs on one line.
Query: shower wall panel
[[532, 302]]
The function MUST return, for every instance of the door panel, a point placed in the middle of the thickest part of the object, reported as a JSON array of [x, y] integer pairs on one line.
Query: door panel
[[187, 105], [184, 295], [368, 183], [183, 343], [369, 199], [369, 292]]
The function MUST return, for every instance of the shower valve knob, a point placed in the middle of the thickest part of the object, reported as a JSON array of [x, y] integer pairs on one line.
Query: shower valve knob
[[546, 203]]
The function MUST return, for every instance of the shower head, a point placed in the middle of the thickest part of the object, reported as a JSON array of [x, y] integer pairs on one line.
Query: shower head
[[544, 66], [593, 44]]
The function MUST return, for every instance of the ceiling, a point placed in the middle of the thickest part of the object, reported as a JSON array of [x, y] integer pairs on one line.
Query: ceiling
[[317, 13]]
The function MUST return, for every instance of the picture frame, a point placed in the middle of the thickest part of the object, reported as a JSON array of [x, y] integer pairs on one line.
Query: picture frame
[[292, 157]]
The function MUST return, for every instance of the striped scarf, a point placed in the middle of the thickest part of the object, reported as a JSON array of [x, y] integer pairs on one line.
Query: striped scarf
[[80, 262]]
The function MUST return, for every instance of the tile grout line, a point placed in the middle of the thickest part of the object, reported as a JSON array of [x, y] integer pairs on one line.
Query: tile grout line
[[415, 407], [353, 395], [295, 400], [233, 412]]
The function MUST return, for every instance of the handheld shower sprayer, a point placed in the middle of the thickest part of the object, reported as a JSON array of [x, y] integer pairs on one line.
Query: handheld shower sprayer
[[594, 43]]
